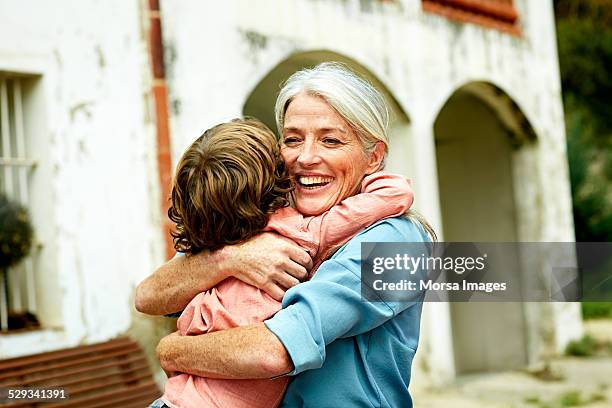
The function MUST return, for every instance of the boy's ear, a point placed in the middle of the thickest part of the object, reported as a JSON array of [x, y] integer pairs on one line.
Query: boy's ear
[[376, 157]]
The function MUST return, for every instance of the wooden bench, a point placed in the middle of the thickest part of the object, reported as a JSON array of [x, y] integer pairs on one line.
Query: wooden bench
[[112, 374]]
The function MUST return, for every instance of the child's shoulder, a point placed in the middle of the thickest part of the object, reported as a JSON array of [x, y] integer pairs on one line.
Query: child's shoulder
[[286, 212], [284, 218]]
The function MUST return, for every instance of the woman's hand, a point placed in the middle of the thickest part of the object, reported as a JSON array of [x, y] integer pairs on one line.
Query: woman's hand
[[269, 262]]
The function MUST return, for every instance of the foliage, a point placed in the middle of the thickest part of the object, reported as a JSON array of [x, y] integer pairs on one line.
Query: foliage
[[588, 346], [575, 399], [584, 33], [571, 399], [532, 399], [584, 347], [595, 310], [15, 232]]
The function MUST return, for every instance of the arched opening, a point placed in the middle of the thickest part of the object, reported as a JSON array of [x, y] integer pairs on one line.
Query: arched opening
[[481, 137], [260, 102]]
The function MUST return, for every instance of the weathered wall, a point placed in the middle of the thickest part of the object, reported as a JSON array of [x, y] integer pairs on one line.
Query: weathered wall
[[220, 51], [94, 198]]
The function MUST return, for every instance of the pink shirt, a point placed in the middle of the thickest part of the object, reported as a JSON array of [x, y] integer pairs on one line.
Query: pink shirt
[[233, 303]]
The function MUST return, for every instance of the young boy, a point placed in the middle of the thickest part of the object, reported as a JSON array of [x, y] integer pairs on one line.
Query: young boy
[[230, 185]]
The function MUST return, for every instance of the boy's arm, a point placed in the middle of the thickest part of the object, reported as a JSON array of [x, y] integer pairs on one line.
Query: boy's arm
[[382, 195]]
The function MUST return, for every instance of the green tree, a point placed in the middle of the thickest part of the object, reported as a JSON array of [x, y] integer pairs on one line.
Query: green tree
[[584, 34]]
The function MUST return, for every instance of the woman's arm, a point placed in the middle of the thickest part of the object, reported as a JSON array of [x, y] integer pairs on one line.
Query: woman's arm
[[239, 353], [268, 261]]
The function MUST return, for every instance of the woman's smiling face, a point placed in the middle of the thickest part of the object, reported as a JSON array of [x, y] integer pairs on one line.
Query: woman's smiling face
[[323, 154]]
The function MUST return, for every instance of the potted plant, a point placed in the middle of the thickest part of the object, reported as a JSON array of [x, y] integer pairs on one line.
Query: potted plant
[[16, 236]]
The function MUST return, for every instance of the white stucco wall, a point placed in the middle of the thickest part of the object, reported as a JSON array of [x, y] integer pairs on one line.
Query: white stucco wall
[[221, 50], [95, 189]]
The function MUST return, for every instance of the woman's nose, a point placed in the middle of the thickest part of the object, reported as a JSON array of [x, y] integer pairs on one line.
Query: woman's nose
[[309, 155]]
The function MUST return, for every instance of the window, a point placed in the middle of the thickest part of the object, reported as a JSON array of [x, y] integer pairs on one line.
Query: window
[[497, 14], [17, 285]]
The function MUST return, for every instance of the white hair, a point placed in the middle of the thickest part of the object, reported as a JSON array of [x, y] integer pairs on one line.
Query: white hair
[[355, 99]]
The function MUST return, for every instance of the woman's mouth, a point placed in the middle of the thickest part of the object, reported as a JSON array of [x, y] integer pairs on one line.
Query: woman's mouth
[[313, 182]]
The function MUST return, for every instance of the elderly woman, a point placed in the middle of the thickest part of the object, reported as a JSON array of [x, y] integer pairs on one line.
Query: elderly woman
[[342, 350]]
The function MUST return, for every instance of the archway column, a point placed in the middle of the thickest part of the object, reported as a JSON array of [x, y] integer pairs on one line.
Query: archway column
[[425, 176], [436, 335], [557, 226], [436, 340]]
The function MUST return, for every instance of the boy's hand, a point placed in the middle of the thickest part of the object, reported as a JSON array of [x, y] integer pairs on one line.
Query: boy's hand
[[269, 262]]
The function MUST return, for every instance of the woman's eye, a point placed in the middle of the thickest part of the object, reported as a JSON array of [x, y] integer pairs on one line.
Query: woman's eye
[[331, 141], [291, 140]]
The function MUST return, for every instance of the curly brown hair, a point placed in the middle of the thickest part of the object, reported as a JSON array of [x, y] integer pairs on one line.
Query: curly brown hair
[[227, 183]]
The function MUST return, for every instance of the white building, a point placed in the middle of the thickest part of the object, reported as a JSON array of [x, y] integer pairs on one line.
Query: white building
[[478, 126]]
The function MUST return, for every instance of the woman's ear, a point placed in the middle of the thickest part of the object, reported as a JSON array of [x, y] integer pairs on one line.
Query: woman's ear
[[376, 157]]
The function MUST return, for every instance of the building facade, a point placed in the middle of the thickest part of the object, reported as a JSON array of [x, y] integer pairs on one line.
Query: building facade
[[477, 125]]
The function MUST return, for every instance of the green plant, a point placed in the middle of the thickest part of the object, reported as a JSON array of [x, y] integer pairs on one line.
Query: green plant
[[571, 399], [594, 310], [586, 346], [16, 232], [597, 397]]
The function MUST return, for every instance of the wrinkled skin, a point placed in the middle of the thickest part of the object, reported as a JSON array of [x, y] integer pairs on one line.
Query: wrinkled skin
[[320, 147]]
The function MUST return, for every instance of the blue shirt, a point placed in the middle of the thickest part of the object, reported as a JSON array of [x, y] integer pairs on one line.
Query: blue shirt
[[349, 352]]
